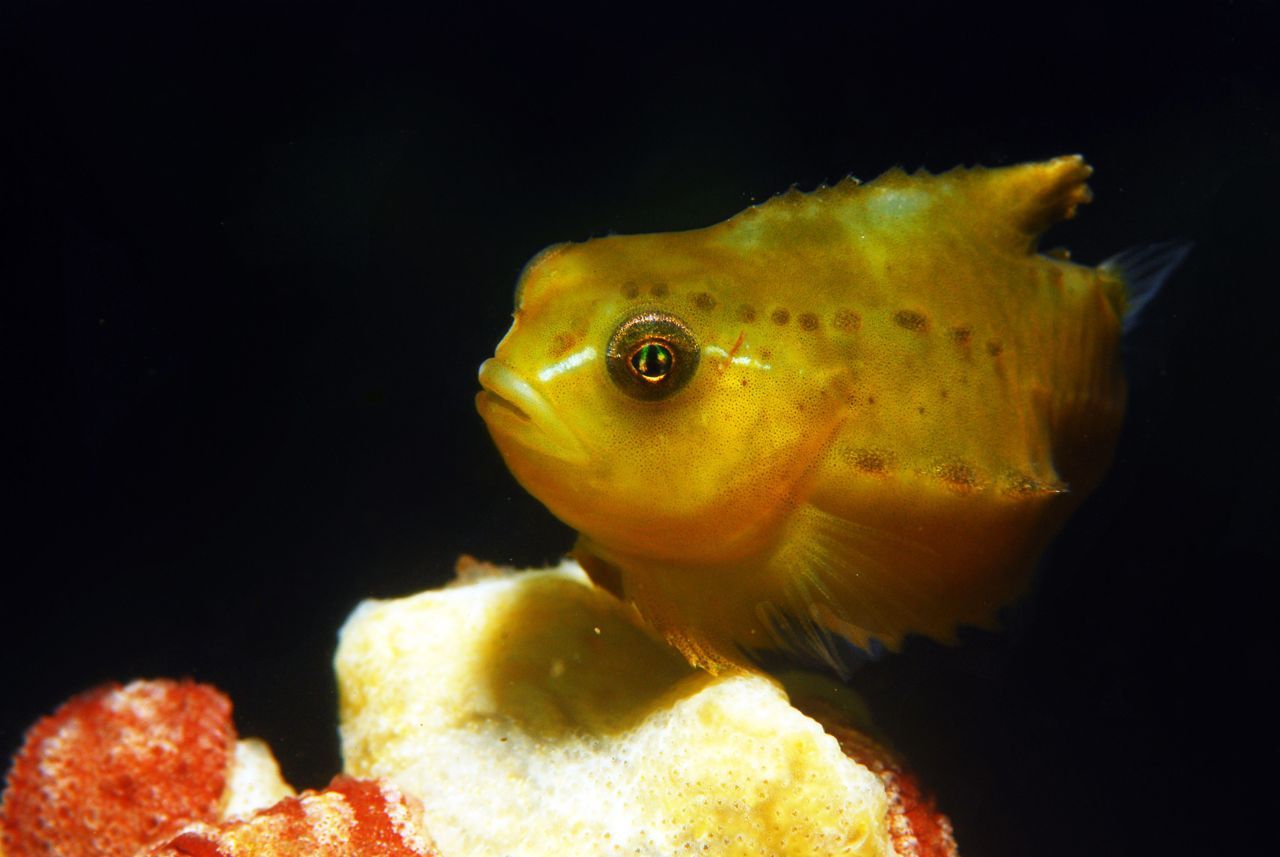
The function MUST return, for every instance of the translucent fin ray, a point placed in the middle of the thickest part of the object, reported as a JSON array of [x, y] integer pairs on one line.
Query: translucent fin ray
[[1145, 269]]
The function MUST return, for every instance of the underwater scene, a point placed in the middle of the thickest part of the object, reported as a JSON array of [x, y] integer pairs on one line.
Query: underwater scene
[[460, 433]]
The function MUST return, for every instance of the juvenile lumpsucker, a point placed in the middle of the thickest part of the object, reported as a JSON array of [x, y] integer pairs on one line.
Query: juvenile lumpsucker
[[858, 412]]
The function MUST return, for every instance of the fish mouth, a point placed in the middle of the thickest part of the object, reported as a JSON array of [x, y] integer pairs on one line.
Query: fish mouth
[[510, 405]]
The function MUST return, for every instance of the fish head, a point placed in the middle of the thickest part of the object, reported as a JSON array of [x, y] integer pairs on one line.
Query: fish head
[[636, 409]]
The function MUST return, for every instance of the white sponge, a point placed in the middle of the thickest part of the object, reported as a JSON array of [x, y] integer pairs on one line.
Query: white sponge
[[532, 717]]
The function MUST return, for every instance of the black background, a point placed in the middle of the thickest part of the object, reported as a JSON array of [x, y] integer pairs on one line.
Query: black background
[[253, 255]]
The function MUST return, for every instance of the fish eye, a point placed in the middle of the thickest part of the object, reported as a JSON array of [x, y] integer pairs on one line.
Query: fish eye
[[652, 361], [651, 355]]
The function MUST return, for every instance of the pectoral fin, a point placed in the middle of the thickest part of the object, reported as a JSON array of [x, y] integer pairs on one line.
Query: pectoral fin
[[873, 587]]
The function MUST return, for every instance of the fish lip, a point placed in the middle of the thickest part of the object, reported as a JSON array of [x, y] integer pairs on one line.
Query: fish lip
[[507, 393]]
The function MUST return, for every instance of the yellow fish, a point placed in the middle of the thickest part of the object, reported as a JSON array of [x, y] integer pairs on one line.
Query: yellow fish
[[859, 412]]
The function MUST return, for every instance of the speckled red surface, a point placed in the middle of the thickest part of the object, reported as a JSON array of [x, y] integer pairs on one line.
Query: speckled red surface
[[116, 768], [916, 826], [351, 818]]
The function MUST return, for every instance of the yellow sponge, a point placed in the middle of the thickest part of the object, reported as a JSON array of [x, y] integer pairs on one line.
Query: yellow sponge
[[532, 717]]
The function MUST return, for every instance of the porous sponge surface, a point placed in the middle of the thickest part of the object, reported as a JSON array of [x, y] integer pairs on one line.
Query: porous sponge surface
[[532, 718]]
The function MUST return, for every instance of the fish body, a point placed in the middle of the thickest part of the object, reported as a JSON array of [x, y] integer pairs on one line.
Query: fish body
[[859, 412]]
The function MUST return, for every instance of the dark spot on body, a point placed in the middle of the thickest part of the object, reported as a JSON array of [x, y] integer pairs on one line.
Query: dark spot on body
[[994, 347], [846, 320], [747, 313], [909, 319], [808, 320], [874, 461], [562, 342], [630, 290], [702, 300], [659, 290], [957, 475], [961, 335], [1022, 485], [920, 410], [944, 393], [781, 315], [743, 382], [871, 400], [766, 354]]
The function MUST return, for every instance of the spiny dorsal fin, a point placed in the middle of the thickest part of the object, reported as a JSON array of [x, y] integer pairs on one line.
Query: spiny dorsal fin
[[1032, 197], [1011, 206]]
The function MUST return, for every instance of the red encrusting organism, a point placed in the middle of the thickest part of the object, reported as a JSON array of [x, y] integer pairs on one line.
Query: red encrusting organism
[[143, 770], [351, 818], [916, 827], [116, 768]]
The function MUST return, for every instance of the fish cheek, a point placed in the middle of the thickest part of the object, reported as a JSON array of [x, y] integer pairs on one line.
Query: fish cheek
[[657, 466], [783, 422], [726, 466], [634, 496]]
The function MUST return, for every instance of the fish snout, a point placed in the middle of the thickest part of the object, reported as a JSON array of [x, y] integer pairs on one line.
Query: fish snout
[[514, 408]]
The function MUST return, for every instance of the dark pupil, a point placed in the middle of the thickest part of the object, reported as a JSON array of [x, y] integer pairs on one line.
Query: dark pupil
[[652, 360]]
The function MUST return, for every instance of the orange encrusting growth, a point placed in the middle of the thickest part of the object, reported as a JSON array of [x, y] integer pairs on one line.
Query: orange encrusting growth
[[116, 767], [916, 826], [897, 404], [143, 770], [351, 818]]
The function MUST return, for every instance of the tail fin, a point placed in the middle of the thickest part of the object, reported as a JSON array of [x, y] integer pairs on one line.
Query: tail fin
[[1144, 270]]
